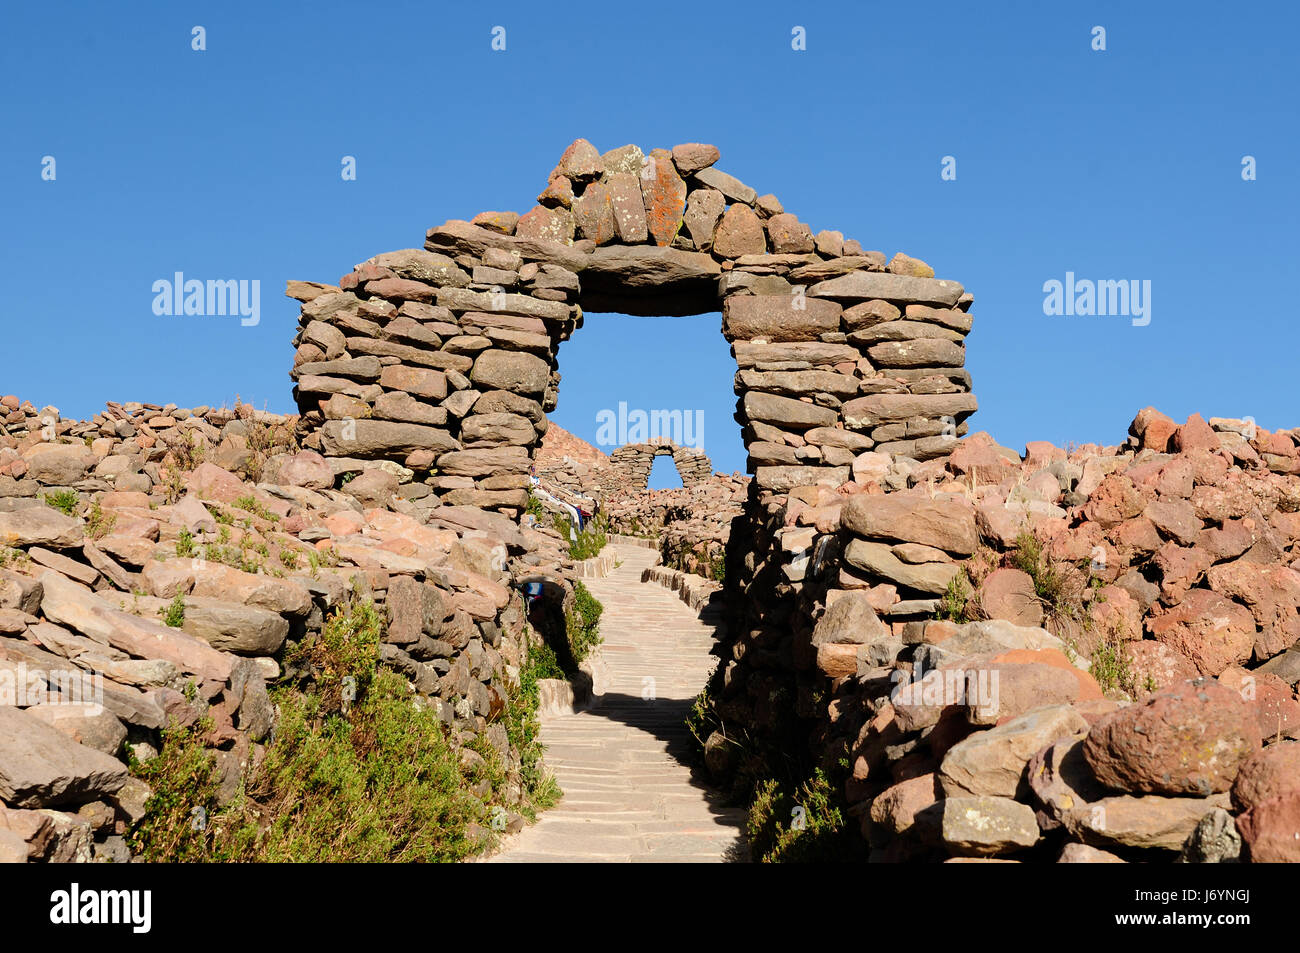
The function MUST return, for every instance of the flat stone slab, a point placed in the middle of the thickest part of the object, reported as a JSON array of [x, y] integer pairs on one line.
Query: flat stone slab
[[41, 766]]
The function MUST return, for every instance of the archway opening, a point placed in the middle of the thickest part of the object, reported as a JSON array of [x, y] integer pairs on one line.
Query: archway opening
[[663, 382], [664, 474]]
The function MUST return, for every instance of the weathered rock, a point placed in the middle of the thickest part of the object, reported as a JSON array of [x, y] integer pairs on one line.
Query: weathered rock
[[897, 808], [1209, 630], [72, 605], [900, 289], [946, 523], [664, 196], [511, 371], [1146, 822], [40, 766], [59, 464], [692, 157], [87, 724], [304, 468], [879, 559], [739, 232], [1010, 594], [993, 762], [1271, 772], [366, 438], [1075, 853], [986, 826], [593, 214], [1271, 830], [704, 207], [1215, 840], [39, 526], [728, 185], [778, 318], [245, 630], [785, 412], [1191, 739]]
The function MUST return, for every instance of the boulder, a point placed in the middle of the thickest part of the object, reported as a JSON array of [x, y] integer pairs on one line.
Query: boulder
[[40, 766], [39, 526], [72, 605], [986, 826], [993, 762], [1187, 740], [1147, 822], [946, 523]]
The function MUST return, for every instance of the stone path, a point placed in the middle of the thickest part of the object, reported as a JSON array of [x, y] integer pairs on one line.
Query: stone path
[[627, 796]]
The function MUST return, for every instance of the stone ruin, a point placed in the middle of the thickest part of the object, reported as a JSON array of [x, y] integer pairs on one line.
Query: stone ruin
[[635, 461], [424, 379], [443, 360]]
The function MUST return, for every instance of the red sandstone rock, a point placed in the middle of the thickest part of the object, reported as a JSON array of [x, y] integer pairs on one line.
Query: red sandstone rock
[[691, 157], [1195, 435], [1009, 594], [1154, 429], [1209, 630], [1188, 740], [664, 195], [1271, 830], [739, 232]]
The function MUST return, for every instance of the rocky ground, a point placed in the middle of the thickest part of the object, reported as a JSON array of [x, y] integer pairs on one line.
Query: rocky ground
[[155, 562], [1083, 655]]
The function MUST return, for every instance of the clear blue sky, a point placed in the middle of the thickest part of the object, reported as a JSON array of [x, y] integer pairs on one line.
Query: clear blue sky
[[225, 164]]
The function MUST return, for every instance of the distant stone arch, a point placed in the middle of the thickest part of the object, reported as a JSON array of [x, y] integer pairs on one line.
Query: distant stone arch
[[444, 360], [634, 461]]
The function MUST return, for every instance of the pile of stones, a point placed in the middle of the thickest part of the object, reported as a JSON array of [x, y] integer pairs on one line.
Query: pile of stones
[[1115, 678], [107, 524]]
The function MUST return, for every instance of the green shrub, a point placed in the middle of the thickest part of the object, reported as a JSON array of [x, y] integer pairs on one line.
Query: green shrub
[[1112, 667], [65, 501], [185, 544], [359, 770], [248, 503], [955, 603], [98, 523], [523, 728], [808, 826], [591, 539], [174, 614], [582, 622], [184, 780], [1050, 584]]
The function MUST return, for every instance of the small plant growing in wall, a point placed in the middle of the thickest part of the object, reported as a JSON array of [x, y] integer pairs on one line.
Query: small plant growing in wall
[[583, 622], [98, 523], [955, 604], [65, 501], [174, 614]]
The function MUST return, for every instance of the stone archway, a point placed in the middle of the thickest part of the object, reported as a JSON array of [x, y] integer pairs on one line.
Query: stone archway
[[446, 357], [634, 462]]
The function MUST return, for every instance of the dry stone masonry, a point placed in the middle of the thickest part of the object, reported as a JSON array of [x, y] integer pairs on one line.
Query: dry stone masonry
[[1082, 656], [443, 360], [636, 460], [260, 543]]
